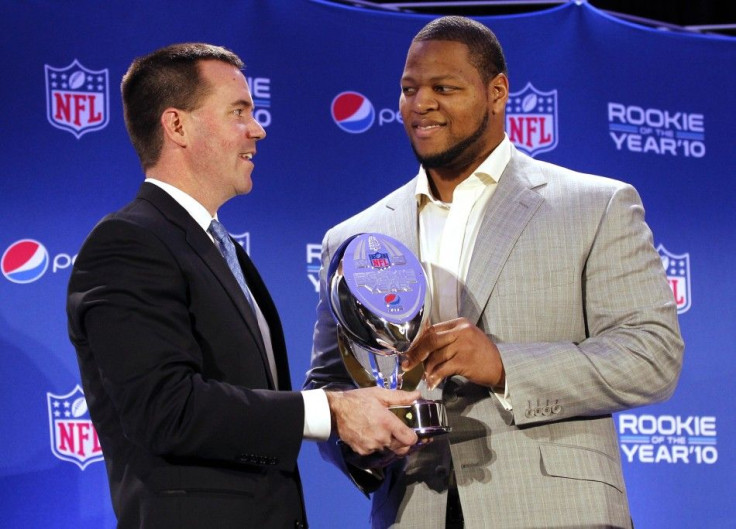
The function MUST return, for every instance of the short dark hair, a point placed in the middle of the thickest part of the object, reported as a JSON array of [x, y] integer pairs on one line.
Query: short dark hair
[[167, 77], [485, 50]]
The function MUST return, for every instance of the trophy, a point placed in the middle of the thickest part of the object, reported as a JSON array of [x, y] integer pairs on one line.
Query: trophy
[[379, 298]]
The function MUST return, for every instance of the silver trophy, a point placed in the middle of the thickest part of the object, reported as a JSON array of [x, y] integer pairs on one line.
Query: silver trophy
[[380, 300]]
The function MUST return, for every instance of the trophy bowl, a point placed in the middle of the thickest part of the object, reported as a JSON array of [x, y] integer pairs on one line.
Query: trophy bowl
[[380, 301]]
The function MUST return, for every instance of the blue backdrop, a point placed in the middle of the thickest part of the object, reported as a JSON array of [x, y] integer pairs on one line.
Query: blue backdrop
[[653, 108]]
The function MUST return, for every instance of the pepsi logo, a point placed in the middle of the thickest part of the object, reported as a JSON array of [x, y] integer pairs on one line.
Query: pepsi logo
[[353, 112], [25, 261], [392, 300]]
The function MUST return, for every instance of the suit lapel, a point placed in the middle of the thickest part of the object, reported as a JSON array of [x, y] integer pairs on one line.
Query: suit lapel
[[265, 303], [210, 255], [403, 224], [511, 207]]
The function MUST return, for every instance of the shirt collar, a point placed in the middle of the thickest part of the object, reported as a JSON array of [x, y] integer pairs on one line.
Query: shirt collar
[[488, 173], [196, 210]]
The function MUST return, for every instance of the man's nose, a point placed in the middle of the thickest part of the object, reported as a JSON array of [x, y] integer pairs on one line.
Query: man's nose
[[255, 130]]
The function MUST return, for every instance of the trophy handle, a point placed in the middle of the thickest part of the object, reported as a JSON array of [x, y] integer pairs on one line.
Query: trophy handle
[[365, 378], [412, 378], [360, 375]]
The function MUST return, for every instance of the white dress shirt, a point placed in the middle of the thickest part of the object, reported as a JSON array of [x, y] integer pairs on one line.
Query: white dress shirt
[[447, 232], [317, 420]]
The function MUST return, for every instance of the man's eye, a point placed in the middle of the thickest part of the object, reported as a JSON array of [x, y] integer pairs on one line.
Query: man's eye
[[238, 111], [443, 89], [406, 90]]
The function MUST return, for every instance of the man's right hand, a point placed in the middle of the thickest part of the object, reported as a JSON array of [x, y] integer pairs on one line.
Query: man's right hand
[[361, 419]]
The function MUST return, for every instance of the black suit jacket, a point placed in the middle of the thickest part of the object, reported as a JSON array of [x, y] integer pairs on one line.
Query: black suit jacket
[[176, 377]]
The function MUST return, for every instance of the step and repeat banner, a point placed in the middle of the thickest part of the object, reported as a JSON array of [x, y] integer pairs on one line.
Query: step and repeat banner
[[588, 91]]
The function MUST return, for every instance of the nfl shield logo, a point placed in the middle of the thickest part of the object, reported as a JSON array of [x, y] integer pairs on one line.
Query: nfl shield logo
[[379, 260], [531, 120], [77, 99], [677, 268], [73, 437]]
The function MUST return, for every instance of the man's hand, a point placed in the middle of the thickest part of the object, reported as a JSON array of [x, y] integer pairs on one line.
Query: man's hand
[[362, 420], [382, 459], [456, 347]]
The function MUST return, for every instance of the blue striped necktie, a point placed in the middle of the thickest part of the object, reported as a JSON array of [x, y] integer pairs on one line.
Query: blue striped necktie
[[227, 249]]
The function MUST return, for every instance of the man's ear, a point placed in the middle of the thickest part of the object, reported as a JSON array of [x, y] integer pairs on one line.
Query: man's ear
[[498, 93], [172, 121]]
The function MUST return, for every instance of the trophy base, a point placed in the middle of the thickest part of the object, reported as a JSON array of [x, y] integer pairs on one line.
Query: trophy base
[[428, 418]]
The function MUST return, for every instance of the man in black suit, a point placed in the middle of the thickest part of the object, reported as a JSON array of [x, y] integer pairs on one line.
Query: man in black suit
[[179, 344]]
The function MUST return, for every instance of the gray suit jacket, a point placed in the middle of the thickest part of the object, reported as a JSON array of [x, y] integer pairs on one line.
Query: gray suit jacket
[[564, 278]]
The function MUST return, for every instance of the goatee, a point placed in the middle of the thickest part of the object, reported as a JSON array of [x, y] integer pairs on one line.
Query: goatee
[[452, 155]]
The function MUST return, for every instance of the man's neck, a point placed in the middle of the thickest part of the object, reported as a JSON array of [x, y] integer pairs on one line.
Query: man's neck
[[188, 185], [444, 180]]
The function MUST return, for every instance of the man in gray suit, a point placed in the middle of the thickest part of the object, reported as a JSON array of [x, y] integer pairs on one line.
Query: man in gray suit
[[551, 311]]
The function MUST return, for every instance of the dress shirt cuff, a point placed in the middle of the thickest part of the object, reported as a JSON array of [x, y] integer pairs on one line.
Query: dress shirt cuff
[[505, 398], [317, 418]]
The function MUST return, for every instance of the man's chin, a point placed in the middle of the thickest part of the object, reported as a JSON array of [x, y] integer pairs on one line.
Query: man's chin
[[434, 160], [428, 159], [245, 187]]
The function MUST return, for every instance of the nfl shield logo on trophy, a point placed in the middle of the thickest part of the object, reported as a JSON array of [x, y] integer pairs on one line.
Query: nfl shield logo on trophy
[[531, 120], [379, 260], [77, 99], [677, 268], [73, 437]]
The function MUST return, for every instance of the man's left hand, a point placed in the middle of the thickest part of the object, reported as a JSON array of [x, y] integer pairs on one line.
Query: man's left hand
[[456, 347]]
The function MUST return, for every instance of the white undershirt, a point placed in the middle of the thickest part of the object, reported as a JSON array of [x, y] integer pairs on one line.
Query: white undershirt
[[448, 230]]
